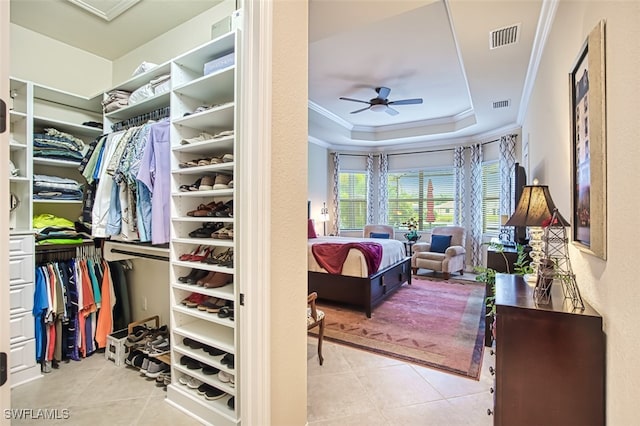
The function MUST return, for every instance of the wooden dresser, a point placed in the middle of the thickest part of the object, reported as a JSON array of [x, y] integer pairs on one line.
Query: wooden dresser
[[550, 359]]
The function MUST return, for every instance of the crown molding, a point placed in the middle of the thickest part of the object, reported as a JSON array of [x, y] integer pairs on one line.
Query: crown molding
[[107, 12]]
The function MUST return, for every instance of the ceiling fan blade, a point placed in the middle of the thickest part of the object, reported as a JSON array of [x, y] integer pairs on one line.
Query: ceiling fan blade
[[383, 92], [391, 111], [406, 101], [360, 110], [354, 100]]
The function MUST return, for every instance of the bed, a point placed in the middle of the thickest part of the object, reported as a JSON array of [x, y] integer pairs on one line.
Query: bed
[[355, 285]]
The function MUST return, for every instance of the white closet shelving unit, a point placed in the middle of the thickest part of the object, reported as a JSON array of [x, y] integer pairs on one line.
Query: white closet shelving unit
[[191, 89], [34, 108]]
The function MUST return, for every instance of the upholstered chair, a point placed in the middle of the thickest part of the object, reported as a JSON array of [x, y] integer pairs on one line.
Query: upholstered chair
[[378, 231], [315, 318], [444, 253]]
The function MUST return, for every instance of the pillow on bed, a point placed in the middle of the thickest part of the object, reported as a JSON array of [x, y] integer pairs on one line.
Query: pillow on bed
[[378, 235], [440, 243], [311, 229]]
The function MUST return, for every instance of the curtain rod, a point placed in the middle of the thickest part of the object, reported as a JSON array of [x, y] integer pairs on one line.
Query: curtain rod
[[419, 152]]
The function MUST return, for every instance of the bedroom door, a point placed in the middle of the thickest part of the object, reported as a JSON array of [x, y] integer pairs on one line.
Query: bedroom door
[[5, 382]]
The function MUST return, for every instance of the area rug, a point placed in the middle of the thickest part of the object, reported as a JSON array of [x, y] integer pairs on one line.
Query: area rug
[[436, 324]]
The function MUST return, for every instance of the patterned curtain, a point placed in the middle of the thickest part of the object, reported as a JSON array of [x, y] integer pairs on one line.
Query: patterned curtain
[[335, 202], [476, 205], [370, 189], [383, 196], [459, 195], [507, 162]]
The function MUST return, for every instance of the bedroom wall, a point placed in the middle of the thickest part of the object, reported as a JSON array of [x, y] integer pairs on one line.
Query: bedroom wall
[[606, 285], [51, 63]]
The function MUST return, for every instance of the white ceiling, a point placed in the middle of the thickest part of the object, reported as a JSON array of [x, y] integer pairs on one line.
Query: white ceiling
[[434, 49], [437, 50], [75, 26]]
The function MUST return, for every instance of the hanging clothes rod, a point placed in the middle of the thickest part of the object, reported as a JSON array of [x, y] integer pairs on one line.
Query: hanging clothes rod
[[139, 254]]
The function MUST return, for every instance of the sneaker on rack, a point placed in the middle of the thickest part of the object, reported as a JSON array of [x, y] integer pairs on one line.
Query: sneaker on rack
[[194, 383], [156, 368]]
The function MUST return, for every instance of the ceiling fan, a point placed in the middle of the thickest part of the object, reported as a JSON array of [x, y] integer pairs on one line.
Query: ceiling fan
[[382, 103]]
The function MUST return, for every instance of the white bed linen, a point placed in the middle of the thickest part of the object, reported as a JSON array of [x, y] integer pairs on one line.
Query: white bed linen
[[355, 264]]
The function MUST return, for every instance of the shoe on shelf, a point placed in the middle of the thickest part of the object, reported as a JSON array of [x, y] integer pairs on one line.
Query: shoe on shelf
[[213, 393], [223, 134], [200, 275], [222, 181], [193, 187], [187, 256], [203, 280], [194, 299], [213, 351], [231, 403], [224, 377], [207, 183], [144, 366], [200, 138], [218, 279], [194, 383], [228, 360], [193, 344], [209, 370], [183, 379], [212, 305]]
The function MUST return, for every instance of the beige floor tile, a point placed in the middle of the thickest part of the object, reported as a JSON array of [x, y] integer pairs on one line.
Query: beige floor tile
[[159, 412], [397, 386], [123, 412], [436, 413], [334, 361], [474, 408], [336, 395], [451, 385], [363, 360], [110, 380], [375, 418]]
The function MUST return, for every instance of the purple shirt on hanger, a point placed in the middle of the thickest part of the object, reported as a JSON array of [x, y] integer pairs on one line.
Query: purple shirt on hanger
[[155, 174]]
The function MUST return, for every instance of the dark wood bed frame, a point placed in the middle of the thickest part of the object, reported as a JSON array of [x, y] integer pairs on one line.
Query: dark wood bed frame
[[364, 293]]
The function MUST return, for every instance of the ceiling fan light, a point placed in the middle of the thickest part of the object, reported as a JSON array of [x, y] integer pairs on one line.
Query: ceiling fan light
[[378, 108]]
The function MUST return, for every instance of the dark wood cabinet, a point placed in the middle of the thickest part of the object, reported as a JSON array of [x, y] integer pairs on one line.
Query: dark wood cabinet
[[500, 261], [550, 359]]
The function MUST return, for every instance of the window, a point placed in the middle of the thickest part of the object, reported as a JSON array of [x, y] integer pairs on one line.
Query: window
[[353, 200], [425, 195], [490, 197]]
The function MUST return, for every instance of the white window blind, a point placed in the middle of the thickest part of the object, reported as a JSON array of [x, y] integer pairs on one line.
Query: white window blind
[[490, 197], [424, 195], [353, 200]]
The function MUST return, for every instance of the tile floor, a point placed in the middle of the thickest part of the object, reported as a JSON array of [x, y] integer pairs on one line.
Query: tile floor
[[353, 387]]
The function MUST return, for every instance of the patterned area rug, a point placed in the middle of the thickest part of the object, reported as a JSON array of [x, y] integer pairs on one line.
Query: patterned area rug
[[436, 324]]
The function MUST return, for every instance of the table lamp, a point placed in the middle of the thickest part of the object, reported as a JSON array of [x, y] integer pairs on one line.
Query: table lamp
[[534, 210], [324, 216]]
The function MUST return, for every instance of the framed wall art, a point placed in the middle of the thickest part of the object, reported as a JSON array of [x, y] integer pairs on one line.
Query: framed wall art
[[588, 146]]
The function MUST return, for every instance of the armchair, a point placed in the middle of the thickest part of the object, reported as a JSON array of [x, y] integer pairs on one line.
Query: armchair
[[378, 229], [439, 256]]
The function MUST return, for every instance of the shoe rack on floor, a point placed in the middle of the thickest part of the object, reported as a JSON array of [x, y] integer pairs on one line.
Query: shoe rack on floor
[[217, 91]]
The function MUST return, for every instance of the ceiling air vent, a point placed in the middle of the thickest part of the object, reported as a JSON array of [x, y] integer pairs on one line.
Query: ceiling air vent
[[504, 36], [502, 104]]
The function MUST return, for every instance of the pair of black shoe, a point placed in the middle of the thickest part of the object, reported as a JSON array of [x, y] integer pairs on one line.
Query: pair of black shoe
[[194, 276], [228, 360], [206, 230], [194, 344]]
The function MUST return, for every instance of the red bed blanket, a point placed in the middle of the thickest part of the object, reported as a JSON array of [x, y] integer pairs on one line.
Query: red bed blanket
[[331, 256]]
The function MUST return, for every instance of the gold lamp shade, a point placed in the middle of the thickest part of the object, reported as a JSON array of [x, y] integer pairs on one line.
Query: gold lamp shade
[[535, 208]]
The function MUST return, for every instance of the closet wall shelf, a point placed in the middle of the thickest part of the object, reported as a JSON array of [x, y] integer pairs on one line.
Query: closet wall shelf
[[202, 219], [208, 241], [203, 332], [220, 167], [90, 104], [68, 127], [204, 267], [56, 163], [211, 120], [15, 146], [141, 107], [217, 85], [48, 247], [212, 193], [19, 179], [57, 201], [141, 79], [193, 59], [15, 116], [224, 144], [208, 412], [225, 292], [205, 316]]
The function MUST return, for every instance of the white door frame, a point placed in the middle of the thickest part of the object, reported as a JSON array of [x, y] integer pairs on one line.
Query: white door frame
[[5, 389]]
